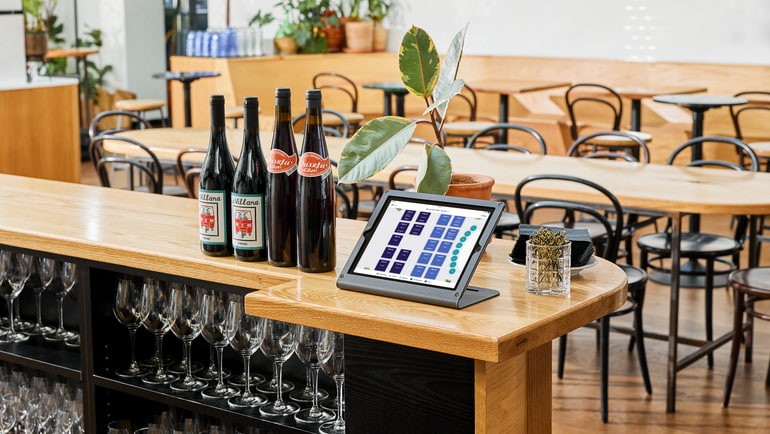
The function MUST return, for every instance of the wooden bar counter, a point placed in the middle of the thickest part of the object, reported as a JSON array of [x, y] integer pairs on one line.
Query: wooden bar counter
[[410, 367]]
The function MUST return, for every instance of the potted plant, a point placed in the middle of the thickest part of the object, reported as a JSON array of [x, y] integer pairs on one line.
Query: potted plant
[[378, 10], [284, 41], [260, 19], [38, 15], [378, 142], [333, 31], [359, 33]]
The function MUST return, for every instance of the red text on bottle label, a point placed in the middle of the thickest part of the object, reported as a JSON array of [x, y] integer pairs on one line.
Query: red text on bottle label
[[313, 165], [280, 162]]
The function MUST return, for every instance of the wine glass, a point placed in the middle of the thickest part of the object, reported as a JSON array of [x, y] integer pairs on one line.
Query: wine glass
[[331, 354], [128, 311], [212, 373], [157, 319], [248, 333], [214, 309], [46, 272], [119, 427], [307, 352], [186, 325], [67, 275], [18, 268], [7, 412], [278, 346]]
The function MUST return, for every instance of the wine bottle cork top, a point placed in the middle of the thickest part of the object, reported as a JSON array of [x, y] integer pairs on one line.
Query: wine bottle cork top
[[217, 99], [251, 101], [282, 92]]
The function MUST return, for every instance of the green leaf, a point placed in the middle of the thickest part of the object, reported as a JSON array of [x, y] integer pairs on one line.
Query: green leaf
[[450, 68], [435, 171], [443, 97], [373, 147], [418, 62]]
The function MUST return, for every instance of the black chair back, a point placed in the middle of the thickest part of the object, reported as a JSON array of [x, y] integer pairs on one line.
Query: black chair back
[[692, 145], [329, 131], [504, 128], [148, 160], [338, 83], [577, 149], [611, 102]]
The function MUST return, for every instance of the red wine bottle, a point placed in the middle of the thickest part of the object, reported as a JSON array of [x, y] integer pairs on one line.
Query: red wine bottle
[[315, 195], [216, 183], [281, 211], [249, 188]]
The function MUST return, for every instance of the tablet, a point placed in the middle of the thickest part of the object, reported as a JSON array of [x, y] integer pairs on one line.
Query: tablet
[[423, 247]]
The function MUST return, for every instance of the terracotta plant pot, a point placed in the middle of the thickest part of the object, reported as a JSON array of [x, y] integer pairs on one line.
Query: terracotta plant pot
[[471, 186], [285, 45], [380, 39], [334, 38], [359, 36], [36, 44]]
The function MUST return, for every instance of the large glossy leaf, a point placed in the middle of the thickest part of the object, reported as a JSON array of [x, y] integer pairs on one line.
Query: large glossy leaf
[[435, 171], [418, 62], [440, 99], [374, 146], [449, 69]]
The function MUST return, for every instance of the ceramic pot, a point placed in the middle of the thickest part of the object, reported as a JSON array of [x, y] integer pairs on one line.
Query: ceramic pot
[[36, 44], [334, 38], [380, 40], [285, 45], [472, 186], [359, 36]]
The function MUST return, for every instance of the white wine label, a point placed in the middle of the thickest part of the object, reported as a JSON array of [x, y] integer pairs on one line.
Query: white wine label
[[280, 162], [212, 210], [312, 165], [248, 221]]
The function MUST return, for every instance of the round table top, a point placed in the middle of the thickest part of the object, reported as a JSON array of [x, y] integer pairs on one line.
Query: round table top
[[699, 101], [387, 86], [185, 76]]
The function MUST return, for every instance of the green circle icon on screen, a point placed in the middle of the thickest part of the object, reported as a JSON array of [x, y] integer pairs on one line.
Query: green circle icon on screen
[[463, 239], [473, 228], [456, 252], [452, 271], [467, 233], [459, 245]]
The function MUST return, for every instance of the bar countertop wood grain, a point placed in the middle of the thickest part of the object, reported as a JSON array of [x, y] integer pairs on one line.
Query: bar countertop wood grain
[[160, 234]]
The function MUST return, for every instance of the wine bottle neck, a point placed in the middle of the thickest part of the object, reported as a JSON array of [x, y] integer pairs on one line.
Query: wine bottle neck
[[217, 116]]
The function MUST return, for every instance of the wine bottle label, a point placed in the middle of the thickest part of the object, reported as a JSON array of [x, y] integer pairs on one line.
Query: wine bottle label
[[312, 165], [280, 162], [213, 216], [248, 221]]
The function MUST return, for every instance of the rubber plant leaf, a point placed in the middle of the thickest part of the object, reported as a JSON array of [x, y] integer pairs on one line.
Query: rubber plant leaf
[[435, 171], [373, 147], [449, 70], [441, 97], [418, 62]]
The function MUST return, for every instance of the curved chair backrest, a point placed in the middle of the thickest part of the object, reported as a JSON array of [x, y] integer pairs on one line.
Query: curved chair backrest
[[610, 100], [329, 130], [147, 159], [526, 206], [93, 129], [737, 111], [585, 141], [393, 184], [337, 82], [155, 184], [183, 168], [486, 132], [739, 146]]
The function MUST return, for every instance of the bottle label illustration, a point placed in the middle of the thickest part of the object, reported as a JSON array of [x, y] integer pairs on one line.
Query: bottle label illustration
[[312, 165], [248, 221], [213, 216], [280, 162]]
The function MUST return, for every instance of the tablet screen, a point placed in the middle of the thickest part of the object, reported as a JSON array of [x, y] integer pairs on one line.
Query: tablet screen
[[426, 243]]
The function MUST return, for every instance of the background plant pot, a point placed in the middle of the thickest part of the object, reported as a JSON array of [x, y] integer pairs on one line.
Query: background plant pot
[[359, 36], [36, 44], [334, 38], [471, 186], [285, 45], [380, 40]]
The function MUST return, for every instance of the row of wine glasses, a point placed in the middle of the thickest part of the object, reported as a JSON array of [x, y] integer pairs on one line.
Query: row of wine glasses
[[190, 311], [19, 270], [176, 421], [30, 403]]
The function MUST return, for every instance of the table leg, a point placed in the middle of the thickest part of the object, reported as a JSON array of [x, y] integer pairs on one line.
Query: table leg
[[504, 100], [387, 104], [187, 105], [400, 105], [673, 325], [636, 115]]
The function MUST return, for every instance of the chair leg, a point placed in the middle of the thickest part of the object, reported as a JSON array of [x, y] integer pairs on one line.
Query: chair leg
[[739, 306], [709, 294], [562, 356], [604, 325], [749, 348], [641, 351]]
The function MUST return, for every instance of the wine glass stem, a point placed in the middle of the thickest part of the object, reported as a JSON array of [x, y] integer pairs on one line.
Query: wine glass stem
[[159, 344], [278, 369], [314, 380], [247, 371], [11, 330], [60, 302], [188, 354], [308, 380], [339, 424], [39, 308], [132, 336], [221, 380]]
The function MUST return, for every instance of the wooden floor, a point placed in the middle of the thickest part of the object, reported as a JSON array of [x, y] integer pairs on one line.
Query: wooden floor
[[699, 389]]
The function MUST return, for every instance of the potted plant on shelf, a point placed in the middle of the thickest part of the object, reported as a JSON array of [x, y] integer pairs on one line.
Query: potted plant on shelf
[[333, 31], [378, 142], [38, 15], [378, 10], [358, 32]]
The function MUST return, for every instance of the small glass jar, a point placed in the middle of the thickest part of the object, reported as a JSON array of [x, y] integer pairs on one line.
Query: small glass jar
[[548, 269]]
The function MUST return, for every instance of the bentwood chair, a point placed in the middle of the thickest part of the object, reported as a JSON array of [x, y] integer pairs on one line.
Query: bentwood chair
[[607, 248], [341, 127], [525, 139], [331, 84], [145, 162], [190, 170], [749, 287], [756, 114], [593, 107], [699, 246], [469, 124], [115, 121]]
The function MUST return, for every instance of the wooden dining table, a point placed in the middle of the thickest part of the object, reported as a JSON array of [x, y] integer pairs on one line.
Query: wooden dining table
[[665, 190], [507, 87]]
